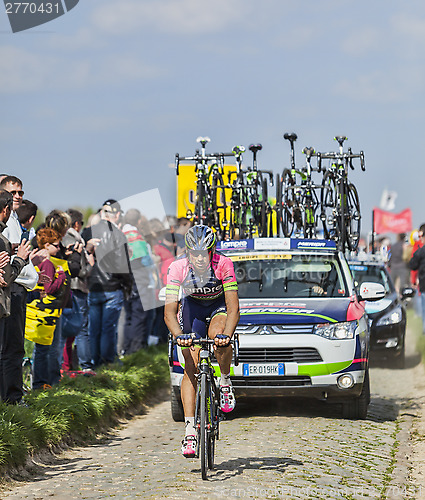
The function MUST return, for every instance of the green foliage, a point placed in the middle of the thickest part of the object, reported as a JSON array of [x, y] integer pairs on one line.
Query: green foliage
[[79, 407], [39, 218]]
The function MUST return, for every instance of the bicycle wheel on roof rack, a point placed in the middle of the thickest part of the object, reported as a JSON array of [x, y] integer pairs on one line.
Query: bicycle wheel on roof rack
[[288, 203], [352, 217], [199, 203], [218, 202], [309, 223], [235, 215], [278, 206], [328, 207], [263, 230]]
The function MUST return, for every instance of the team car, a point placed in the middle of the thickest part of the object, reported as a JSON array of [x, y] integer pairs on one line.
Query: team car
[[387, 316], [303, 330]]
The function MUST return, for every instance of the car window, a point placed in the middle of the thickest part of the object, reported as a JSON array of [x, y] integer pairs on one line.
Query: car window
[[289, 276], [374, 274]]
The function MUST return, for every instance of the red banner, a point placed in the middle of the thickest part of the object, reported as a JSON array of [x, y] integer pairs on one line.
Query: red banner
[[387, 222]]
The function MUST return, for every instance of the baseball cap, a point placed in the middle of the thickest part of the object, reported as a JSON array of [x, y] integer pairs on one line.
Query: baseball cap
[[111, 206]]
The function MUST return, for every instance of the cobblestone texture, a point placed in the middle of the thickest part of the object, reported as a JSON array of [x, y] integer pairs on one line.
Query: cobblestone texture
[[274, 449]]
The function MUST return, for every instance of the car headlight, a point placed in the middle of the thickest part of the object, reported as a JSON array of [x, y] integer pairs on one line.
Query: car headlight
[[391, 318], [337, 331]]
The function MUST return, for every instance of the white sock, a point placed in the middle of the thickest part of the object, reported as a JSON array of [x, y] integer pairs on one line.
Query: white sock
[[225, 379], [190, 426]]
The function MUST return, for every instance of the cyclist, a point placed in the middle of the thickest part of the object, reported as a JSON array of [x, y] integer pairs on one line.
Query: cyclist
[[209, 305]]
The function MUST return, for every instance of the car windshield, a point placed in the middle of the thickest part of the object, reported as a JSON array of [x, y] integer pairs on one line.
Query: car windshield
[[374, 274], [288, 275]]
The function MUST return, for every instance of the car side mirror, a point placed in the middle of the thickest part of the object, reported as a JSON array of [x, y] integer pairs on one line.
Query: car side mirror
[[371, 291], [407, 292]]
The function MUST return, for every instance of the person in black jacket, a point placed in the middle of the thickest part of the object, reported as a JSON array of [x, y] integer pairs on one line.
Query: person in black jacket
[[109, 281], [417, 263], [11, 350]]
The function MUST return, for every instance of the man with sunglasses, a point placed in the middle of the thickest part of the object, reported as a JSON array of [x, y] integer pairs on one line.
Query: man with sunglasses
[[209, 306], [13, 336]]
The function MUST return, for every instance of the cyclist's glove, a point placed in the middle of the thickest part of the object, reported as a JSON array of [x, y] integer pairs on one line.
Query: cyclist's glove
[[223, 337], [185, 336]]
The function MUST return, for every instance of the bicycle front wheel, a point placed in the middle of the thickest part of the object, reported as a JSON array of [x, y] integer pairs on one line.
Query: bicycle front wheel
[[352, 217], [203, 433], [328, 206], [263, 210], [214, 421]]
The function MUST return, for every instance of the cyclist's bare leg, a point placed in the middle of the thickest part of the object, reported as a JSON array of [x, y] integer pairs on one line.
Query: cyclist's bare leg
[[188, 391], [188, 387], [224, 359], [222, 354]]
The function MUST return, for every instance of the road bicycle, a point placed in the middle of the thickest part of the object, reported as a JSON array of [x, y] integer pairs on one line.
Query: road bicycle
[[339, 198], [296, 196], [210, 202], [209, 180], [287, 203], [207, 410], [262, 210], [250, 208]]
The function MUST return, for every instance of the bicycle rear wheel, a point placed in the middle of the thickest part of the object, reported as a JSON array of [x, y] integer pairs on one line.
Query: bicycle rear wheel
[[278, 206], [288, 203], [204, 444], [200, 203], [352, 217], [263, 230], [328, 207], [218, 202]]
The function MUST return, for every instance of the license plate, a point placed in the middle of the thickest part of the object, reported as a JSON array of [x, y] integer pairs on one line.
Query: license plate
[[263, 369]]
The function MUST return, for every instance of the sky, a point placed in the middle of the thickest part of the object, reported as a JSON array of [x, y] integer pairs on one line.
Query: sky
[[95, 104]]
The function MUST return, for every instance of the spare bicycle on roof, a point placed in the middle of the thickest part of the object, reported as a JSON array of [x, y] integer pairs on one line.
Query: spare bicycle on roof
[[237, 203]]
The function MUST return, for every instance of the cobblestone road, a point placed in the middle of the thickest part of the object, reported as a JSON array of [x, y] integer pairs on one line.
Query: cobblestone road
[[278, 449]]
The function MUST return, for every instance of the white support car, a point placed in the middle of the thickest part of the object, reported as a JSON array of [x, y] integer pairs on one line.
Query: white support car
[[303, 329]]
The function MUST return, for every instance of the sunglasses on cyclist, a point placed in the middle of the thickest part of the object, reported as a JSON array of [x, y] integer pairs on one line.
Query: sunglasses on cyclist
[[197, 253], [21, 193]]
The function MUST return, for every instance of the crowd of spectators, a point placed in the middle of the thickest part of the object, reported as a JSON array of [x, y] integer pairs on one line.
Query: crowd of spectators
[[65, 284]]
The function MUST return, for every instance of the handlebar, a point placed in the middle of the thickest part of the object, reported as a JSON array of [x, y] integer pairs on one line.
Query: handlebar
[[348, 157], [204, 342]]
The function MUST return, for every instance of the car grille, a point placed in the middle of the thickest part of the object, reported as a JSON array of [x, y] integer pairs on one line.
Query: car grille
[[273, 329], [284, 381], [279, 355]]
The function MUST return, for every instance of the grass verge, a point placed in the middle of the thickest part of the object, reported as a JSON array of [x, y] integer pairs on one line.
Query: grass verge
[[78, 408]]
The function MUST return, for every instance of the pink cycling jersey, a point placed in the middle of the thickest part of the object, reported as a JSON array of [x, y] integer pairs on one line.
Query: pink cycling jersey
[[217, 279]]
